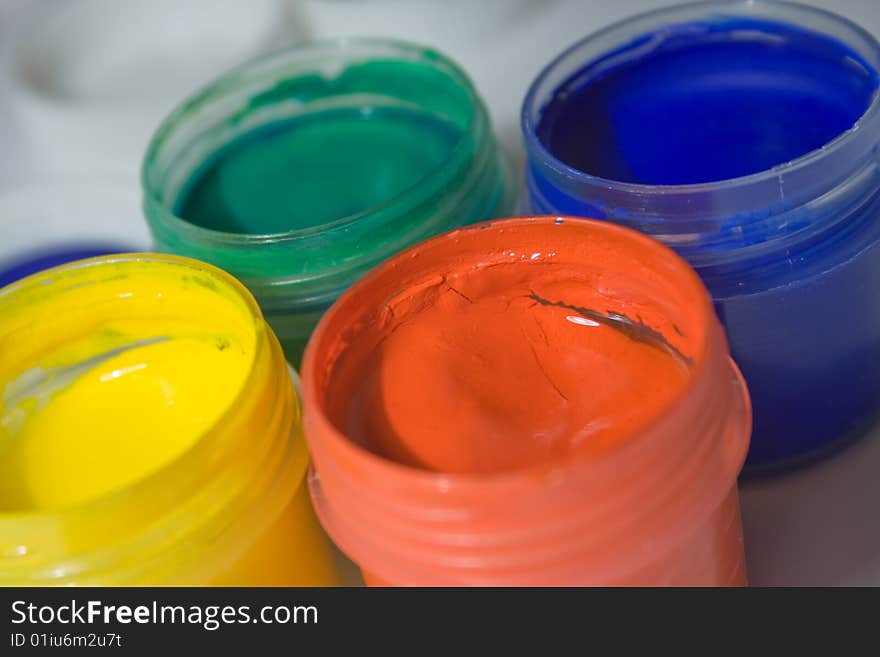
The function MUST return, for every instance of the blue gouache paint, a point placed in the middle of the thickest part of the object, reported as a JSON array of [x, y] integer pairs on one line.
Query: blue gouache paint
[[33, 262], [651, 133], [708, 104]]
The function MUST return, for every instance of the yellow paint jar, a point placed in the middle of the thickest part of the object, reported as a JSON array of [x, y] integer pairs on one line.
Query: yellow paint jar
[[149, 433]]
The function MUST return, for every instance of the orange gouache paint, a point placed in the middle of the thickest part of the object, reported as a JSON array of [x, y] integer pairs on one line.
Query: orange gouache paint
[[536, 401]]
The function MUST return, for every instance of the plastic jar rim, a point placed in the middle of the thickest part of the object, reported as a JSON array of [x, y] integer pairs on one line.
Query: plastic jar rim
[[316, 416], [341, 46], [530, 112], [115, 503]]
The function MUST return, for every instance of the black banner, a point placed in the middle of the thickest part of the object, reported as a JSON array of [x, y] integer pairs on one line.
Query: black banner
[[265, 620]]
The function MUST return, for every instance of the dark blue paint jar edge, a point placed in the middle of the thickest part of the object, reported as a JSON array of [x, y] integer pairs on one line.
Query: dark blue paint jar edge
[[846, 149]]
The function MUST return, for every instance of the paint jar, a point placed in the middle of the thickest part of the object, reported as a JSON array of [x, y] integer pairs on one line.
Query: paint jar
[[50, 222], [533, 401], [90, 79], [299, 172], [745, 136], [151, 433]]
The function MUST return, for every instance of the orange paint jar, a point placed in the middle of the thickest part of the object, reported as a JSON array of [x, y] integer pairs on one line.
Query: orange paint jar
[[533, 401]]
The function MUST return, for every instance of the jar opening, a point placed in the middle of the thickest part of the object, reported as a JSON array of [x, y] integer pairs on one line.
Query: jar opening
[[289, 146], [520, 345], [707, 101], [732, 214], [662, 315], [152, 363]]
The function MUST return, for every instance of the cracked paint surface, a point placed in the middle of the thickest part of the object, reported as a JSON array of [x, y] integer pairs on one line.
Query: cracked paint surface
[[517, 358]]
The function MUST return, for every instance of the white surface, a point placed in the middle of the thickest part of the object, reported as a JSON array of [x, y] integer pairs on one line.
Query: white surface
[[56, 213], [89, 80], [83, 85], [818, 525]]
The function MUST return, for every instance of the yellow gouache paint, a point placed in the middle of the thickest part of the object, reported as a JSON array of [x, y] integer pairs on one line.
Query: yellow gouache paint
[[122, 395], [144, 397]]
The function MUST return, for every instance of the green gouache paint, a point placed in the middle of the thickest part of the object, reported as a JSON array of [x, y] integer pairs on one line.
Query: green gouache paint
[[300, 172], [312, 170]]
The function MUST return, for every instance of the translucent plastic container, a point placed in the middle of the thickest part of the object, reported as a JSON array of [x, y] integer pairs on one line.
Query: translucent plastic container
[[785, 252], [90, 494], [653, 502]]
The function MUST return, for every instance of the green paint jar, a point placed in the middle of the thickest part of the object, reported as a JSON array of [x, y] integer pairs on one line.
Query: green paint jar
[[299, 172]]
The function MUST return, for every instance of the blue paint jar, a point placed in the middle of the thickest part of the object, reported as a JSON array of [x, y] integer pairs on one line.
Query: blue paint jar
[[744, 135]]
